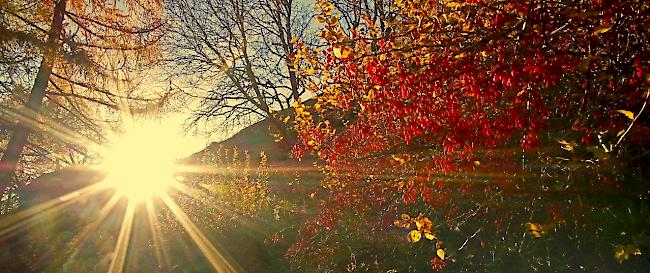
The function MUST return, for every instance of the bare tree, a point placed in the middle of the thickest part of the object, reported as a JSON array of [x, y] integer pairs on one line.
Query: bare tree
[[235, 56], [353, 13]]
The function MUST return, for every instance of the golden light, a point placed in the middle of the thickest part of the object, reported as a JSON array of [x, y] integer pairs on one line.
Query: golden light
[[141, 162]]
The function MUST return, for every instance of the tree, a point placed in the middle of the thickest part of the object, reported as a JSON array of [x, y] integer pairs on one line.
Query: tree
[[75, 53], [353, 14], [239, 52], [465, 76], [446, 93]]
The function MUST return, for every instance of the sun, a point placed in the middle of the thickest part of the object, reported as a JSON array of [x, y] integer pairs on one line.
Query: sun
[[141, 162]]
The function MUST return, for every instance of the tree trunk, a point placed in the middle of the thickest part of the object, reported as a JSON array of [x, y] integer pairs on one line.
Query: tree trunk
[[18, 139]]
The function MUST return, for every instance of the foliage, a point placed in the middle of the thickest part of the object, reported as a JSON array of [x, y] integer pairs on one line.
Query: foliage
[[623, 252], [9, 202], [77, 58], [471, 111], [223, 188], [459, 77]]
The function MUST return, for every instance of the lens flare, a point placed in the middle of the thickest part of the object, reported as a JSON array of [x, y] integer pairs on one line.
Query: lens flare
[[141, 162]]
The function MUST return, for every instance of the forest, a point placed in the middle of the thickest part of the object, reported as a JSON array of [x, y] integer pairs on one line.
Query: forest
[[324, 136]]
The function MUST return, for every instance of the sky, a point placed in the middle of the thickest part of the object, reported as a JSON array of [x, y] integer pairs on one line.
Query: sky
[[165, 126], [187, 143]]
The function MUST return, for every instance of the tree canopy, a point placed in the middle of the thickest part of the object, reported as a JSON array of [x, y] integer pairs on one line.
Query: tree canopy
[[64, 61]]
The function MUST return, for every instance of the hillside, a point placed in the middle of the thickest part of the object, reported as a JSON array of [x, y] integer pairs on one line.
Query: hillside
[[254, 139], [257, 138]]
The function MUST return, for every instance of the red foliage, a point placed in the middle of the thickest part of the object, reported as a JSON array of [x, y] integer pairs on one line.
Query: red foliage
[[498, 73], [407, 106]]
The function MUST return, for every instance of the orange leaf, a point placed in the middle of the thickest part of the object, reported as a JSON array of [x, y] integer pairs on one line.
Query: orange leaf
[[602, 29], [406, 217], [402, 224]]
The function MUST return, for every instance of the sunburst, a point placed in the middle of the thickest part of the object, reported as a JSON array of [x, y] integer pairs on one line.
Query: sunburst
[[140, 166], [141, 162]]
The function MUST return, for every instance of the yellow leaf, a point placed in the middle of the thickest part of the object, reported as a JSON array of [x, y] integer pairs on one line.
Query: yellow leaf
[[341, 53], [477, 163], [602, 29], [440, 253], [567, 145], [620, 254], [337, 52], [370, 95], [623, 252], [538, 230], [414, 236], [533, 227], [627, 113], [429, 235]]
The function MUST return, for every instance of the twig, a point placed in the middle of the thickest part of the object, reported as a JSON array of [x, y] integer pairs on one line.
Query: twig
[[635, 118], [470, 237]]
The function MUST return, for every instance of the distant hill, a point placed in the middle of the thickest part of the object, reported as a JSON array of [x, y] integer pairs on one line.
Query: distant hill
[[254, 139], [257, 138]]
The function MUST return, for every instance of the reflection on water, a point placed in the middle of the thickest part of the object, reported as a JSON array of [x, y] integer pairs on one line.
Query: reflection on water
[[240, 215]]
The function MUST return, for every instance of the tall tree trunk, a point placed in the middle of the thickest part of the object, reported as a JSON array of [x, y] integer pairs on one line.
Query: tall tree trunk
[[18, 139]]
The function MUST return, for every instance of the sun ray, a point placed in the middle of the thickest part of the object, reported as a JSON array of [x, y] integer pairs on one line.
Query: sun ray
[[122, 245], [53, 128], [216, 259], [158, 244], [188, 190], [30, 216], [196, 193], [104, 211], [202, 169], [221, 207]]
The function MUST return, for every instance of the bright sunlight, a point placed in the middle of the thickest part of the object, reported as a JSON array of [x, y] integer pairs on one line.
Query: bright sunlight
[[141, 162]]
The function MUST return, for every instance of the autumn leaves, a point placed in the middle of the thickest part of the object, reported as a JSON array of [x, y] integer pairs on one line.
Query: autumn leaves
[[423, 228]]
